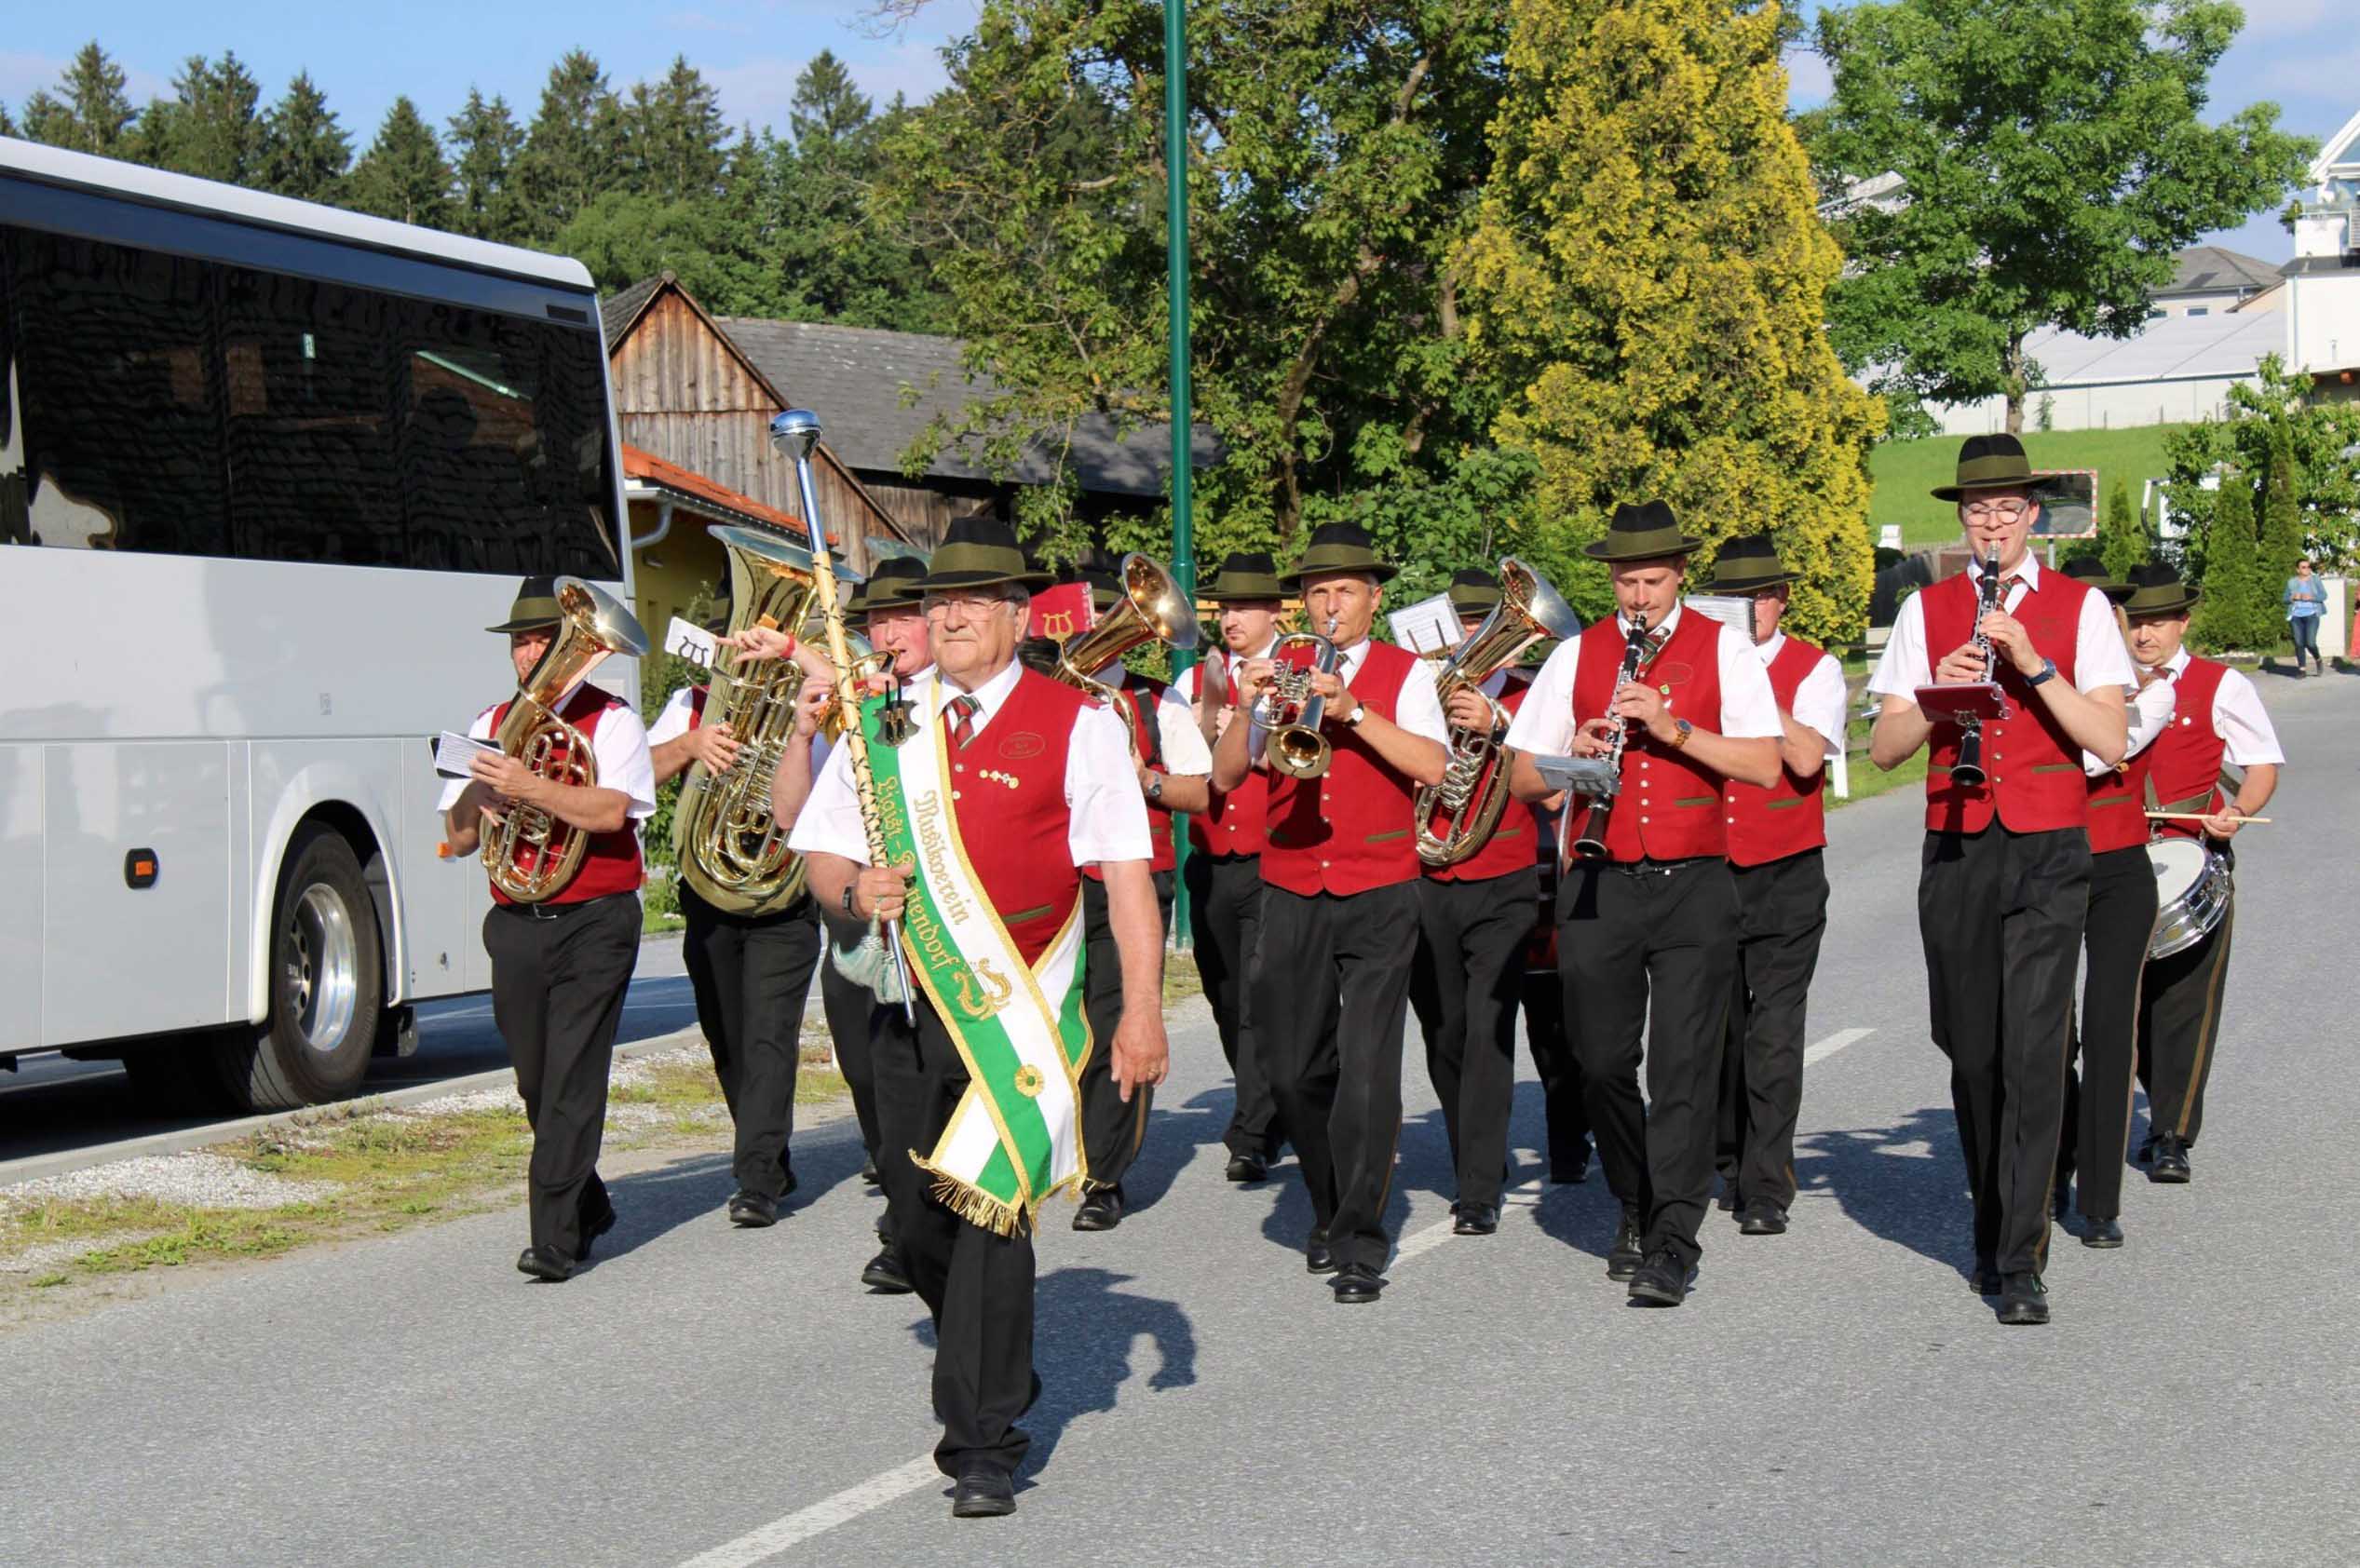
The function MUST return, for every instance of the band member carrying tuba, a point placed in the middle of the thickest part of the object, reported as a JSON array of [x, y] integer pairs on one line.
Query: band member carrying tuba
[[561, 943], [1647, 937], [1339, 919]]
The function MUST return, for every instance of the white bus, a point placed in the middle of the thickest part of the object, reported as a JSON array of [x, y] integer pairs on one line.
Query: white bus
[[268, 470]]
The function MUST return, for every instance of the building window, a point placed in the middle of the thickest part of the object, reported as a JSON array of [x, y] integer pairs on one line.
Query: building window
[[2199, 310]]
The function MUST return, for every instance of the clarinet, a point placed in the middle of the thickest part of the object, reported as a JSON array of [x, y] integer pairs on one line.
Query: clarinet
[[1968, 769], [1592, 844]]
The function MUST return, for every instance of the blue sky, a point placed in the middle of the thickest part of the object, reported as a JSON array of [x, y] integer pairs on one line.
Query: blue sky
[[2297, 52]]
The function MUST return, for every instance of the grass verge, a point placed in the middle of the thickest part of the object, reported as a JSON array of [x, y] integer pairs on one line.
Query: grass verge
[[1903, 472]]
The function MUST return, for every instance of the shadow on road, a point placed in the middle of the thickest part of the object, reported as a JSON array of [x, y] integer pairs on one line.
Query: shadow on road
[[1907, 1184], [650, 1203], [1088, 1328]]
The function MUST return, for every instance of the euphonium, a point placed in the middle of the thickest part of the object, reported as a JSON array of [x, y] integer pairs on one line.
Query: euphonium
[[1152, 609], [1475, 787], [729, 842], [1290, 712], [530, 854]]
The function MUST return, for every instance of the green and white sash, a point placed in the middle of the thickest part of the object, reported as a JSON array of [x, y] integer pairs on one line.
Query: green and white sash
[[1016, 1137]]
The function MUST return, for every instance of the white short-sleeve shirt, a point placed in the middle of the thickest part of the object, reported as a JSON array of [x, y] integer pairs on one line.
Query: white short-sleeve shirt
[[1544, 725], [672, 723], [2238, 716], [2100, 657], [619, 745], [2149, 715], [1819, 701]]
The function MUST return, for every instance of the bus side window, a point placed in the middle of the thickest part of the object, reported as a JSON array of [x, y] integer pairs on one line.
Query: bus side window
[[16, 526]]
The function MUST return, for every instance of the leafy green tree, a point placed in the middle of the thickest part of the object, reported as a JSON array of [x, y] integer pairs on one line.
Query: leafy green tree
[[487, 139], [304, 153], [90, 112], [2123, 538], [7, 125], [623, 237], [2277, 410], [674, 136], [2239, 610], [1649, 275], [2282, 542], [836, 261], [403, 175], [211, 127], [2054, 153], [573, 151]]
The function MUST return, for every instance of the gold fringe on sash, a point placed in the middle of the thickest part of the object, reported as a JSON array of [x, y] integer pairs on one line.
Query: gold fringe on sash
[[978, 1208]]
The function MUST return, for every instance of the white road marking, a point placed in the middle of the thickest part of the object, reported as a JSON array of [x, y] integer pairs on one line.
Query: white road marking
[[824, 1515], [1835, 1043]]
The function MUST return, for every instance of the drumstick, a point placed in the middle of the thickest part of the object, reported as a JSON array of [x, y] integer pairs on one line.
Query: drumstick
[[2201, 816]]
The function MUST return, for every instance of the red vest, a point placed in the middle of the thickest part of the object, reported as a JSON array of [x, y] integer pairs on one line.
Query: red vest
[[1017, 842], [611, 864], [1670, 808], [1233, 823], [1510, 848], [1350, 830], [696, 695], [2033, 769], [2118, 804], [1790, 815], [2186, 756], [1160, 819]]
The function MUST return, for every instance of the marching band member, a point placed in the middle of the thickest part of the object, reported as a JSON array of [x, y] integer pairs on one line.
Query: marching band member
[[1646, 934], [1339, 916], [1171, 765], [978, 1100], [2217, 716], [559, 967], [1564, 1101], [1474, 919], [1224, 859], [749, 973], [1775, 839], [2004, 885]]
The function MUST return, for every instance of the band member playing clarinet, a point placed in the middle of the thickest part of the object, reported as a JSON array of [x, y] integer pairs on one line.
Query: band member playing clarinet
[[1775, 841], [1339, 915], [559, 966], [2004, 879], [1000, 788], [2217, 717], [1647, 919]]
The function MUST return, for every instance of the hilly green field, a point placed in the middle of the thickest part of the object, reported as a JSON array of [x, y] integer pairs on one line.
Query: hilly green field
[[1903, 471]]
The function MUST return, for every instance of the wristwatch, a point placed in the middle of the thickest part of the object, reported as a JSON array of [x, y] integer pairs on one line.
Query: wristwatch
[[1155, 785], [1360, 711], [847, 901], [1681, 730], [2048, 667]]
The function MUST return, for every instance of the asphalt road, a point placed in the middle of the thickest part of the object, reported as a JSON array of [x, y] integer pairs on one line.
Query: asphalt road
[[1835, 1396]]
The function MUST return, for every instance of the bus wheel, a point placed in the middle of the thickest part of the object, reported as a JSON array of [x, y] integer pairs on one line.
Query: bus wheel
[[327, 984]]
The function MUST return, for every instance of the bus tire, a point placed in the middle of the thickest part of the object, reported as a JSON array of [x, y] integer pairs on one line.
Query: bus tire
[[327, 983]]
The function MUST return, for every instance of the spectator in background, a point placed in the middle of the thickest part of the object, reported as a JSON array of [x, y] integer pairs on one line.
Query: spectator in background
[[2306, 599]]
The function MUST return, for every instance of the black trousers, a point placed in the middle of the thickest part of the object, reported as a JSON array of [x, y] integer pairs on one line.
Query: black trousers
[[2001, 915], [2179, 1023], [752, 976], [558, 981], [852, 1023], [1225, 917], [1329, 1009], [1782, 913], [1112, 1129], [1469, 972], [2095, 1132], [978, 1285], [1651, 949], [1564, 1096]]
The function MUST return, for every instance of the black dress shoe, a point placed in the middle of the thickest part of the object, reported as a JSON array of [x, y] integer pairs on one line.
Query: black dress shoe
[[1316, 1256], [1626, 1255], [982, 1493], [1356, 1285], [543, 1265], [1726, 1201], [884, 1276], [754, 1210], [1245, 1168], [593, 1229], [1568, 1174], [1762, 1219], [1474, 1219], [1101, 1209], [2101, 1232], [1663, 1280], [2023, 1300], [1984, 1279], [868, 1174], [2170, 1162]]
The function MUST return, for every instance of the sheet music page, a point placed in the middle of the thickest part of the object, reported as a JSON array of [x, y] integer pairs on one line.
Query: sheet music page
[[1427, 626]]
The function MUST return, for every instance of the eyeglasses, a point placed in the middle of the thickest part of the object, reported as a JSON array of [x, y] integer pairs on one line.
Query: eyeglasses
[[965, 603], [2005, 511]]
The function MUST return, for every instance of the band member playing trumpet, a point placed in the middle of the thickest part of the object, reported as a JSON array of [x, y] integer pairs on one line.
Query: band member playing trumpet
[[1004, 785], [561, 958], [1224, 859], [2004, 884], [1775, 839], [1340, 920], [1646, 928], [2217, 717]]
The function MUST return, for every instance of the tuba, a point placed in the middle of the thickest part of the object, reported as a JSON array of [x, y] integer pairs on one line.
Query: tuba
[[530, 854], [726, 838], [1152, 610], [1289, 714], [1475, 787]]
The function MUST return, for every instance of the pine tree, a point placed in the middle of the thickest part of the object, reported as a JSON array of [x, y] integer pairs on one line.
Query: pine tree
[[2121, 535], [89, 113], [831, 259], [827, 108], [209, 127], [2282, 543], [403, 176], [2239, 610], [7, 125], [572, 150], [305, 154], [674, 136], [1649, 273], [488, 141]]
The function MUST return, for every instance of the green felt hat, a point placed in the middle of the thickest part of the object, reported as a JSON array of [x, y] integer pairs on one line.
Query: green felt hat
[[893, 586], [1475, 592], [2156, 589], [1746, 565], [535, 606], [1245, 575], [2090, 570], [980, 553], [1989, 463], [1646, 531], [1338, 547]]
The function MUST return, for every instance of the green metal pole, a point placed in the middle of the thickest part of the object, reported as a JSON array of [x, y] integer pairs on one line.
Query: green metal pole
[[1184, 546]]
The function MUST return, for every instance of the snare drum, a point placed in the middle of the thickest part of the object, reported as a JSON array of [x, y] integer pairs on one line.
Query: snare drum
[[2191, 894]]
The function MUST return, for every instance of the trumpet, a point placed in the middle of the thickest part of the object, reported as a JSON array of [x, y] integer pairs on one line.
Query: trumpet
[[1475, 787], [1290, 712], [1592, 844], [1152, 610]]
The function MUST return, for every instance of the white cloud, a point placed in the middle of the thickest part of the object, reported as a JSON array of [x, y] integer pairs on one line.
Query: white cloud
[[1809, 82]]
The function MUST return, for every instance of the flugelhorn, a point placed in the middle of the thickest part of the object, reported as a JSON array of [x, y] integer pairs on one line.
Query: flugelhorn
[[1151, 609], [1475, 787], [530, 854], [1290, 712]]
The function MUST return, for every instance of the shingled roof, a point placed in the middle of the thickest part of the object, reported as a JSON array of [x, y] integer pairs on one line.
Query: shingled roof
[[617, 312], [2209, 269], [853, 378]]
